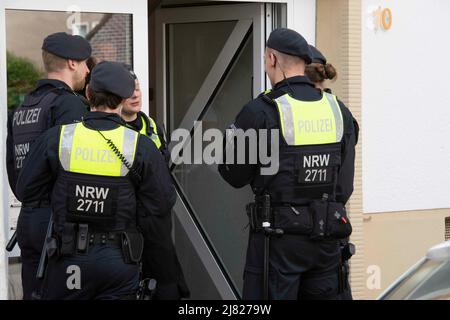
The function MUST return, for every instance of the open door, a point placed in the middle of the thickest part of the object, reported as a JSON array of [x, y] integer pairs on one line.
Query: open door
[[209, 63]]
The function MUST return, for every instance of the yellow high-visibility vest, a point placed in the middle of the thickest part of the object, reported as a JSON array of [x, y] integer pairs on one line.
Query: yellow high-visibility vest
[[83, 150], [154, 136], [310, 122]]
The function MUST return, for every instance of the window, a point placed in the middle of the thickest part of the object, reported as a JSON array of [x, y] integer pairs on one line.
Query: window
[[111, 39]]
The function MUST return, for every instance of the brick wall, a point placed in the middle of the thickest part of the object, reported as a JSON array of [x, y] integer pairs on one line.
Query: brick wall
[[113, 39]]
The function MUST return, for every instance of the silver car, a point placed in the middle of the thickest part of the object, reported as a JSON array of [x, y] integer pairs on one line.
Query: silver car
[[428, 279]]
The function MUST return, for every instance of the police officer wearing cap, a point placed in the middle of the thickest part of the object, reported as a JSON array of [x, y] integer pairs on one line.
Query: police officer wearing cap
[[299, 213], [172, 284], [139, 121], [51, 103], [319, 71], [108, 185]]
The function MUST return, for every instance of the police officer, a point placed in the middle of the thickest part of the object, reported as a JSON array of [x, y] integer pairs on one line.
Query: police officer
[[139, 121], [108, 185], [172, 284], [53, 102], [301, 208], [319, 72]]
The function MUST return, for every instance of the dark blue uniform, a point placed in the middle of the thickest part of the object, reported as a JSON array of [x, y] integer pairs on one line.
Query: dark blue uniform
[[106, 275], [52, 103], [137, 125], [300, 268]]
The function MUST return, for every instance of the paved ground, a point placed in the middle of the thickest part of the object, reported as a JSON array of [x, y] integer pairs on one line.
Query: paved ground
[[15, 284]]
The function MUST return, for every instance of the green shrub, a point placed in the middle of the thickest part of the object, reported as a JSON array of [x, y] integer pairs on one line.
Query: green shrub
[[22, 76]]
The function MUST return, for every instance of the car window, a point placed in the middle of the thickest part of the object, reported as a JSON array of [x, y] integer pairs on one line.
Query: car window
[[436, 286], [415, 285]]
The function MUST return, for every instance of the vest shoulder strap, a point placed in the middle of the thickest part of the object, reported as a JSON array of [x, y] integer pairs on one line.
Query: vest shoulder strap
[[147, 123], [269, 96]]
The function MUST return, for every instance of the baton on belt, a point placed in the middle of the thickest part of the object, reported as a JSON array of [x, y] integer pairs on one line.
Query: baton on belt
[[12, 242]]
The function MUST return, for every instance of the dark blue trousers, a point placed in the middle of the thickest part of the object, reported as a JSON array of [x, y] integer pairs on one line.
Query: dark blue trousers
[[100, 274], [300, 268], [31, 230]]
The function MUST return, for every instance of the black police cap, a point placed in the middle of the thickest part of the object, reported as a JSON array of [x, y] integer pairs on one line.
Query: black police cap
[[317, 56], [112, 77], [67, 46], [290, 42], [130, 69]]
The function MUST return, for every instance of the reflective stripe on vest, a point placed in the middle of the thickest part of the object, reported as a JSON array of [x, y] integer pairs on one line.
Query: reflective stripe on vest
[[83, 150], [310, 122], [154, 136]]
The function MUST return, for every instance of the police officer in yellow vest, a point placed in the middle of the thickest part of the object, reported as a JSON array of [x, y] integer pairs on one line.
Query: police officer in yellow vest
[[108, 186], [139, 121], [54, 101], [300, 208]]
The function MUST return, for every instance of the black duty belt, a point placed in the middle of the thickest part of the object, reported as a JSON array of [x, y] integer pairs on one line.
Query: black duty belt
[[256, 216], [322, 219], [36, 204], [77, 239], [105, 238]]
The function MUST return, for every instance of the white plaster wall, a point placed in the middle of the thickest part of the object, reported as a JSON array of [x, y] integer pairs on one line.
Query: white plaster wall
[[406, 107], [303, 19]]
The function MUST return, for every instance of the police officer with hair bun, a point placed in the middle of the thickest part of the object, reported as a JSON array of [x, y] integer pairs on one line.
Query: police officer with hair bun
[[54, 101], [298, 216], [109, 186], [318, 72]]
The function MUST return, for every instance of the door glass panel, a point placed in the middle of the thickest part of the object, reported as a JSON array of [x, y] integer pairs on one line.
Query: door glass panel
[[192, 50], [218, 207], [197, 278]]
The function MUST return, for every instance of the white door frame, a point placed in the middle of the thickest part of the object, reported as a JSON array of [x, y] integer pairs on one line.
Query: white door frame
[[301, 16], [246, 14], [140, 59]]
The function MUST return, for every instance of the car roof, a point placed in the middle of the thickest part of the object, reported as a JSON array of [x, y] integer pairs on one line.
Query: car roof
[[439, 252]]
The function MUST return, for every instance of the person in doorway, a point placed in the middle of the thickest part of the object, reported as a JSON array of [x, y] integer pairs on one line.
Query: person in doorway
[[139, 121], [172, 284], [299, 212]]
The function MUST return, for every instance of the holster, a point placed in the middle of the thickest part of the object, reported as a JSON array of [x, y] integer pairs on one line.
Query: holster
[[68, 239], [252, 214], [132, 246], [347, 251], [256, 215]]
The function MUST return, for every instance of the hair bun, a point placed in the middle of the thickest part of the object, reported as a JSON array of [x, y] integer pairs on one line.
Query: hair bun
[[330, 71]]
